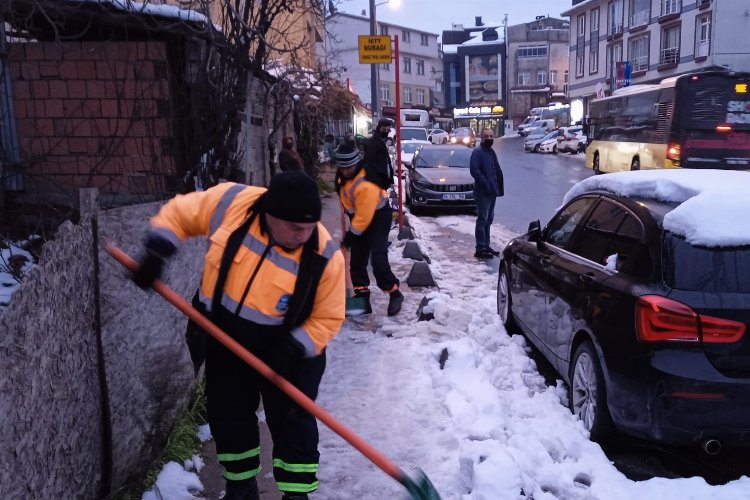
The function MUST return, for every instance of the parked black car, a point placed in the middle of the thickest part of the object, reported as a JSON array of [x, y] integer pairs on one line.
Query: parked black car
[[647, 330], [439, 176]]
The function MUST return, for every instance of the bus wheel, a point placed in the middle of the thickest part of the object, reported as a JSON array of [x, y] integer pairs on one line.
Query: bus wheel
[[595, 166], [636, 164]]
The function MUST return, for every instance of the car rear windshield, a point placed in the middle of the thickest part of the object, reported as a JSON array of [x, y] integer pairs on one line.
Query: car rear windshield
[[706, 269], [444, 157], [413, 133]]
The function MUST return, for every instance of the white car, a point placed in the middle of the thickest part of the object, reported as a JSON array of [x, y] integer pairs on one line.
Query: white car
[[437, 136], [408, 148], [548, 145]]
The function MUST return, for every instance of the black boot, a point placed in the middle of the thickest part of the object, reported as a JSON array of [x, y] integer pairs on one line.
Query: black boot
[[295, 496], [394, 303], [360, 303], [242, 490]]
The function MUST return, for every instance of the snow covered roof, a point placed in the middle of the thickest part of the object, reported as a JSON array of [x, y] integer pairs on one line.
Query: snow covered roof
[[713, 203], [170, 11]]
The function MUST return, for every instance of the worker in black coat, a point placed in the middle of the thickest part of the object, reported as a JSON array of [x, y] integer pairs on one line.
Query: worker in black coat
[[377, 160]]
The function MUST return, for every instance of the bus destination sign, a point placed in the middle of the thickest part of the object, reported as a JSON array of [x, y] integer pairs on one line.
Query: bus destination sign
[[375, 49]]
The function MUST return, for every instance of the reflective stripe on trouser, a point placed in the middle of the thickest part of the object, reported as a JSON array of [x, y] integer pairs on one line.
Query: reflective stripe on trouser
[[233, 392], [240, 466], [373, 246]]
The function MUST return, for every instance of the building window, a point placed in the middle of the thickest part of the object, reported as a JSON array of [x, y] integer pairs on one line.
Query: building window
[[640, 12], [614, 56], [524, 78], [702, 35], [594, 21], [407, 65], [420, 96], [581, 25], [383, 29], [407, 94], [616, 13], [594, 60], [670, 45], [553, 77], [425, 40], [670, 7], [420, 67], [385, 67], [385, 93], [531, 51], [566, 77], [406, 36], [541, 77], [579, 64], [638, 53]]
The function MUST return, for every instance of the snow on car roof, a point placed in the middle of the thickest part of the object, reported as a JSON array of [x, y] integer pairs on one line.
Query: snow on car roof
[[714, 205]]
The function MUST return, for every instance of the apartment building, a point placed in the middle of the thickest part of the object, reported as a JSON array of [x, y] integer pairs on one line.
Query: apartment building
[[421, 76], [616, 43], [537, 65]]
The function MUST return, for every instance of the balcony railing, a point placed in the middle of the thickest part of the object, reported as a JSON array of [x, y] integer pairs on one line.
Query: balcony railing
[[670, 7], [640, 63], [669, 56], [640, 18], [616, 29]]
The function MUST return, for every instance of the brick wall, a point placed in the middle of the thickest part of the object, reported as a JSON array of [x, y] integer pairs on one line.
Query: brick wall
[[93, 114]]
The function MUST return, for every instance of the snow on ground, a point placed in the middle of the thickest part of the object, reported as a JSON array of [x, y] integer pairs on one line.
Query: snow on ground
[[485, 427]]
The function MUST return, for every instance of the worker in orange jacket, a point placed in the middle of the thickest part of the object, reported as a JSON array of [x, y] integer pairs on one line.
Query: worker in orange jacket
[[367, 205], [273, 279]]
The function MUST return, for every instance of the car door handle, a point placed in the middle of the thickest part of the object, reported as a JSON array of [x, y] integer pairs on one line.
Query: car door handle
[[545, 261], [587, 278]]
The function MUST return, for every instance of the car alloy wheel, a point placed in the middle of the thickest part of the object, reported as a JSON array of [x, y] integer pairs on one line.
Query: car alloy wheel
[[587, 392], [595, 166], [536, 148], [504, 299], [636, 164]]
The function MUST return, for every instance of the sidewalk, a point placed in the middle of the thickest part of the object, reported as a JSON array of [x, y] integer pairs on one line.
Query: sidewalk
[[211, 474]]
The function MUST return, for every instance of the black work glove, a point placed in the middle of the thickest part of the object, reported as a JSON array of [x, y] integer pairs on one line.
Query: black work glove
[[291, 347], [151, 263], [349, 239]]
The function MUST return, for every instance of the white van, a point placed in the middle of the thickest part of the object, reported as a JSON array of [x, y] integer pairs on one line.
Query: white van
[[526, 124], [541, 126]]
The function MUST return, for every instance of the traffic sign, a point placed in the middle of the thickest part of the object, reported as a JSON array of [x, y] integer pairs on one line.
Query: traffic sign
[[375, 49]]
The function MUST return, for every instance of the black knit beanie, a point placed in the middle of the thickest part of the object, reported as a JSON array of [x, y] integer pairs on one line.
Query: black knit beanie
[[293, 196]]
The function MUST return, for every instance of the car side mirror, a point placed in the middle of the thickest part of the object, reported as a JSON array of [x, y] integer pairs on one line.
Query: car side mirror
[[535, 231]]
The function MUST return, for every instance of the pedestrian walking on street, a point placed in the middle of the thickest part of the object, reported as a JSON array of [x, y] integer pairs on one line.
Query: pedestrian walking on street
[[273, 279], [289, 159], [488, 185], [377, 159], [366, 204]]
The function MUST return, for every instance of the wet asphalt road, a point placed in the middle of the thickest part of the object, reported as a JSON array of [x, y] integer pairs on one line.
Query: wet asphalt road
[[534, 188]]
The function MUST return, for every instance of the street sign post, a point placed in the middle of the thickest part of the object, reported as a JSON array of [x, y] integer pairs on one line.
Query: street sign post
[[375, 49]]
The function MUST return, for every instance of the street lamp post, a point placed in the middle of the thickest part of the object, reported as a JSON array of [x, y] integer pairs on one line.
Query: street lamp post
[[373, 71]]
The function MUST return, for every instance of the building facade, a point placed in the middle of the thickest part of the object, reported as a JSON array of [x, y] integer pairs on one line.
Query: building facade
[[421, 77], [537, 65], [616, 43], [474, 69]]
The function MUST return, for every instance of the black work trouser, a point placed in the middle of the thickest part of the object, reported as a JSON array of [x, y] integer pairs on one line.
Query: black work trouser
[[233, 392], [373, 246]]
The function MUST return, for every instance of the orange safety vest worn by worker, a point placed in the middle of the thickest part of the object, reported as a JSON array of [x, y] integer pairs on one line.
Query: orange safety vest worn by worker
[[216, 213], [361, 198]]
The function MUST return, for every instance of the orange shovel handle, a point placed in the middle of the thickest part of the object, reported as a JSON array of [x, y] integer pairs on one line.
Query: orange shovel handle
[[295, 394]]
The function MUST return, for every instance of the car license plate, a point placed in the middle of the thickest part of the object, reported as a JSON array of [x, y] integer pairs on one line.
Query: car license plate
[[454, 196]]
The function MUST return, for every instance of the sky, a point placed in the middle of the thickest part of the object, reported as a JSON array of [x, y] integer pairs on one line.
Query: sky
[[434, 16], [486, 426]]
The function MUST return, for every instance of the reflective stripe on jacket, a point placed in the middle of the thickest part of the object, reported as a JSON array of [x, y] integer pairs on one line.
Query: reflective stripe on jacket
[[216, 213], [361, 198]]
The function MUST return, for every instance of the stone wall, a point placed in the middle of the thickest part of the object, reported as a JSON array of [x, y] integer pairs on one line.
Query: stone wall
[[50, 393]]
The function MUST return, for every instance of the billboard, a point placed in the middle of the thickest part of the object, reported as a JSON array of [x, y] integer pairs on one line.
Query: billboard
[[483, 79]]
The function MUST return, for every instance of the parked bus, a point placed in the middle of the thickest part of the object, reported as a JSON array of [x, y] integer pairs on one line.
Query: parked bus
[[699, 120], [415, 118]]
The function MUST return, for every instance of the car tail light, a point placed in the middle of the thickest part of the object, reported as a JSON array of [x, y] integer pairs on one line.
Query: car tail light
[[723, 128], [673, 152], [659, 319]]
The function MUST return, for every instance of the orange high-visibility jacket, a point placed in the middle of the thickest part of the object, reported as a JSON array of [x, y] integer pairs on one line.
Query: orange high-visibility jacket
[[216, 213], [361, 198]]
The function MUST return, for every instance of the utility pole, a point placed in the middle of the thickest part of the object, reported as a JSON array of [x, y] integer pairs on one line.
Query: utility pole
[[373, 72]]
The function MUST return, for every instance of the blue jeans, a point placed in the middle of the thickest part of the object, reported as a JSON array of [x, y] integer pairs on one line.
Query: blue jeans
[[485, 216]]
